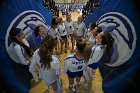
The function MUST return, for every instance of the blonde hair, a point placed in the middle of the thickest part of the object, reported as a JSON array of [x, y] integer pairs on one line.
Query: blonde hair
[[87, 50], [45, 51], [59, 19]]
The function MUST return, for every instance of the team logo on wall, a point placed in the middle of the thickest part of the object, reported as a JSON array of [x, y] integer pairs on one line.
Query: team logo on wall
[[124, 34], [27, 21]]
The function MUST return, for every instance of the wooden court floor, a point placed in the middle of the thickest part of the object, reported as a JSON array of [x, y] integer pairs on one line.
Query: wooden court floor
[[95, 85]]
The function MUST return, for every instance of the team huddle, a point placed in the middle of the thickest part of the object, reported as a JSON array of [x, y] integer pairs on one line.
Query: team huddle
[[88, 48]]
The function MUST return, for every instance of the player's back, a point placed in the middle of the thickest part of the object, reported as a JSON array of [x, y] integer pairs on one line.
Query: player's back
[[74, 64]]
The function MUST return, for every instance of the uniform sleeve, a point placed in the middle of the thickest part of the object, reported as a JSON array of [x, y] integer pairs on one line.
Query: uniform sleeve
[[56, 65], [84, 30], [58, 31], [66, 65], [19, 52], [34, 68], [96, 54]]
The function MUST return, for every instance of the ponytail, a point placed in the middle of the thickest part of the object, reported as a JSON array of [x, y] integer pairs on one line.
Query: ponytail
[[107, 40], [85, 48], [45, 52], [109, 46]]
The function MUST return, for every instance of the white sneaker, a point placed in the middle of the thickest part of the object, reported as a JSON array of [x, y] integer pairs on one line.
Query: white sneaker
[[85, 85], [77, 89], [71, 90]]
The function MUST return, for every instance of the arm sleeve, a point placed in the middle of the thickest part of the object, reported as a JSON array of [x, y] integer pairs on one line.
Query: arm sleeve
[[33, 69], [19, 52], [96, 56], [58, 31], [85, 30], [56, 65]]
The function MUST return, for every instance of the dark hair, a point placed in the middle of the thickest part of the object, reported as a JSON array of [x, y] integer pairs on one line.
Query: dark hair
[[92, 25], [54, 21], [80, 44], [107, 40], [13, 33], [36, 31], [45, 51], [99, 30]]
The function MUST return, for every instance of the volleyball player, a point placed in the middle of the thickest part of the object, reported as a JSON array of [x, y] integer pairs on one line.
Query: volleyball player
[[48, 65]]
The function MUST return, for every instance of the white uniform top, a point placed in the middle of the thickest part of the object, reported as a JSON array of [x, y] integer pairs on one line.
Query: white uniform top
[[73, 64], [62, 30], [88, 34], [20, 55], [97, 52], [80, 29], [53, 32], [93, 40], [69, 27], [48, 75]]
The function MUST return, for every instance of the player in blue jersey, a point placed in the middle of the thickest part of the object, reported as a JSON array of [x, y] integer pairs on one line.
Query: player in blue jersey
[[39, 33], [74, 64]]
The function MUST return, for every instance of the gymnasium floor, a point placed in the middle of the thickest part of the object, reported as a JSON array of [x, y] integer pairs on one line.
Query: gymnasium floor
[[95, 85]]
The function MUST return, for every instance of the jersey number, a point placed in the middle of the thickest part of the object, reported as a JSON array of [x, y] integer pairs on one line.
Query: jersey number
[[79, 67]]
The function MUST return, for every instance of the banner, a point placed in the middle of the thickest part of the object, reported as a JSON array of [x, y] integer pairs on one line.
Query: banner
[[121, 19], [24, 14]]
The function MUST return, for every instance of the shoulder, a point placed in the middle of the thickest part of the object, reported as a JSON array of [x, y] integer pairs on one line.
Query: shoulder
[[55, 58], [97, 48], [17, 46], [83, 24], [69, 57], [36, 54]]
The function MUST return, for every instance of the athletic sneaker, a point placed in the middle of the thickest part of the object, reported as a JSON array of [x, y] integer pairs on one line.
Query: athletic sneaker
[[77, 89], [71, 90]]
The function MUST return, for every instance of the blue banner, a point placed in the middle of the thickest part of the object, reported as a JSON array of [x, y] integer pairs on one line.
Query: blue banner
[[121, 19], [24, 14]]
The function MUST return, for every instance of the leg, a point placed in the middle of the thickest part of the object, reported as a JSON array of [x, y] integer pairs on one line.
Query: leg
[[71, 84], [66, 44], [72, 41], [77, 84], [62, 43]]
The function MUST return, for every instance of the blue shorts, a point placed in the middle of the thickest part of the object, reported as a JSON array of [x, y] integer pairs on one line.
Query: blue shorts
[[64, 37], [75, 74], [94, 65]]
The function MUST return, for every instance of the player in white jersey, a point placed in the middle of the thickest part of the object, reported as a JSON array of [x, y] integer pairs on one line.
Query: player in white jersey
[[69, 24], [47, 64], [53, 32], [22, 50], [21, 54], [80, 28], [95, 32], [74, 65], [104, 44], [62, 34]]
